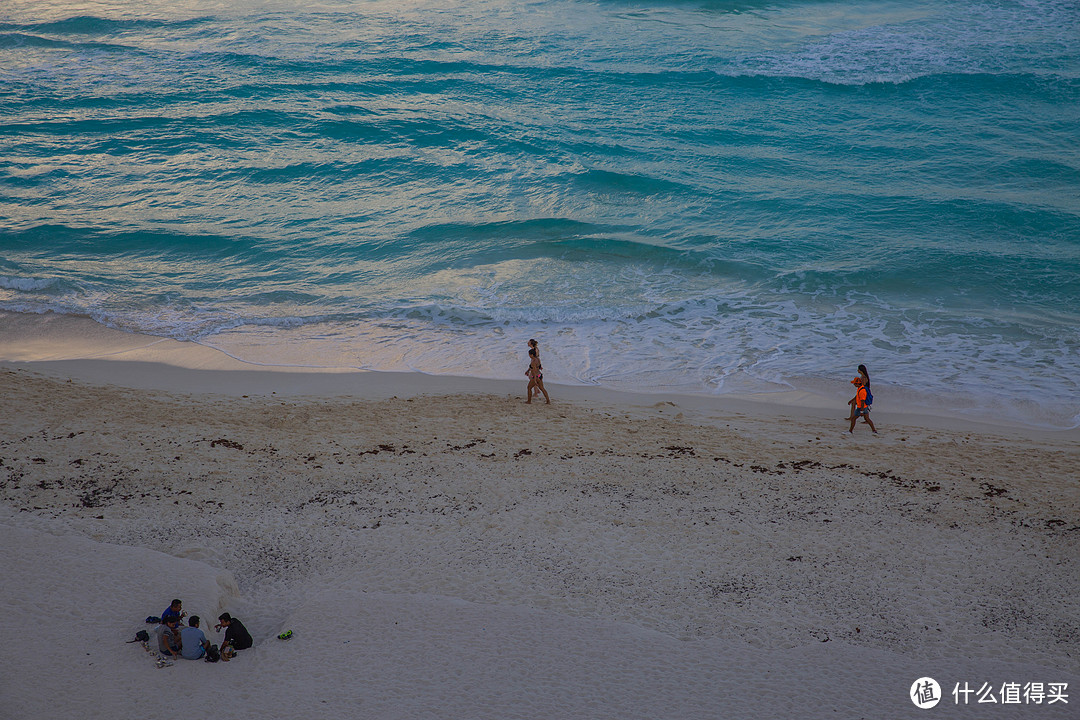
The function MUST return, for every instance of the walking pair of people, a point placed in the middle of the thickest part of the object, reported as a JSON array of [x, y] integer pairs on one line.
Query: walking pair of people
[[535, 373], [860, 404]]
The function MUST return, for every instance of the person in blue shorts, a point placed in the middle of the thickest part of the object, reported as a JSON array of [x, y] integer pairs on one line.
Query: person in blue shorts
[[169, 642], [866, 382], [861, 409]]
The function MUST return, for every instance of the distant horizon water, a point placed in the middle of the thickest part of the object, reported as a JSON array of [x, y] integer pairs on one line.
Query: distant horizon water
[[701, 197]]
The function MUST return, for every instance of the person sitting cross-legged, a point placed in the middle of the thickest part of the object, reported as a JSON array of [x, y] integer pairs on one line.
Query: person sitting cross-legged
[[193, 642], [236, 635], [169, 641]]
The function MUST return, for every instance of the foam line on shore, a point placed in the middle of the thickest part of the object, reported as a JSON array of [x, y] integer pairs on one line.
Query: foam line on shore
[[78, 348]]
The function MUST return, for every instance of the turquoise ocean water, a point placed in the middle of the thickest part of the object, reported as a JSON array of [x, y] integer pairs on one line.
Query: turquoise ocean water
[[702, 197]]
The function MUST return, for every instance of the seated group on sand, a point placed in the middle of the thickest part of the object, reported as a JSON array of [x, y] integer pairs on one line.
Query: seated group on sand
[[175, 641]]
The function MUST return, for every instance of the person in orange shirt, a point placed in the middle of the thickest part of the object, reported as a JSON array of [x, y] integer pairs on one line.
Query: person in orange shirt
[[861, 409], [866, 380]]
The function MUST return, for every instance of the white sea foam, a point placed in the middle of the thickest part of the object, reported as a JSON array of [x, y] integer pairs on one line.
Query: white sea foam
[[25, 284], [695, 349], [719, 342]]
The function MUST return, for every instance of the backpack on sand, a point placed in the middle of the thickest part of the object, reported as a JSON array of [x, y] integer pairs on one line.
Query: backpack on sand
[[213, 654], [141, 636]]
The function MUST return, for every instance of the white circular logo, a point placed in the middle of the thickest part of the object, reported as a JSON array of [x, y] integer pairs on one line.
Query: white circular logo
[[925, 693]]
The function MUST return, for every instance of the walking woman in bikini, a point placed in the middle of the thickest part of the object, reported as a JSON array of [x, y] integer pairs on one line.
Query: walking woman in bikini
[[535, 373]]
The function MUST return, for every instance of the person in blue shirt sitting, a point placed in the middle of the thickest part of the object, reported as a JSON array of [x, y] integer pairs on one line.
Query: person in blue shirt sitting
[[174, 610], [193, 642]]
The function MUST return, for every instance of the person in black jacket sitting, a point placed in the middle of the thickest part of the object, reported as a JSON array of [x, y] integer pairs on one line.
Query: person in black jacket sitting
[[236, 635]]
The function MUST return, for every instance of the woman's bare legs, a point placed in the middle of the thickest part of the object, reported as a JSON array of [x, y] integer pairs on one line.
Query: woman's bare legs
[[540, 385]]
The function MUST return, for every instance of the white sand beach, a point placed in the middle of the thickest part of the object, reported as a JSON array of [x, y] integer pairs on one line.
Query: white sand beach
[[439, 549]]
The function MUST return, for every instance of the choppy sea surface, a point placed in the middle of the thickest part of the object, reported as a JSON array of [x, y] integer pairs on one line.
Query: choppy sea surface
[[702, 197]]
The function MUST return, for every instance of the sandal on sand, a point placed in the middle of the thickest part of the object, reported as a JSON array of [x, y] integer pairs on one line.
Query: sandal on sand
[[285, 635]]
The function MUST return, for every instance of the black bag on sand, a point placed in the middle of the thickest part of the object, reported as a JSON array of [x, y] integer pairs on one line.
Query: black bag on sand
[[141, 636], [213, 654]]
